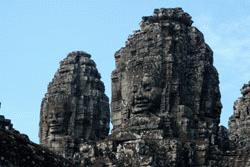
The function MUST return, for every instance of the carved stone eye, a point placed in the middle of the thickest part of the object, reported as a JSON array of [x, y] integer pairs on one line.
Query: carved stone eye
[[50, 115], [135, 88], [147, 87], [59, 115]]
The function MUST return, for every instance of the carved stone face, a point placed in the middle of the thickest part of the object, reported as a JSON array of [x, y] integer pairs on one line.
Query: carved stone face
[[56, 120], [146, 95]]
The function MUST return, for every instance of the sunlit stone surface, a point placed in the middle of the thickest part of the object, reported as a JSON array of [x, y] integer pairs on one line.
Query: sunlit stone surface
[[75, 108], [165, 98], [165, 107]]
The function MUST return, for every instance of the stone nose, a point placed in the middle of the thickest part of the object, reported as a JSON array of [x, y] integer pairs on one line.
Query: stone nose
[[53, 118], [138, 94]]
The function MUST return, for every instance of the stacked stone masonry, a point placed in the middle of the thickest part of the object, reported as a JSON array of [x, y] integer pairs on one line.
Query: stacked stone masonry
[[16, 150], [165, 105], [75, 108], [166, 89]]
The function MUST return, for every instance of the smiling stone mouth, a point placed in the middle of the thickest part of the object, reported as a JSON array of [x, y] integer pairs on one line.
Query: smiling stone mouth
[[141, 103], [54, 125]]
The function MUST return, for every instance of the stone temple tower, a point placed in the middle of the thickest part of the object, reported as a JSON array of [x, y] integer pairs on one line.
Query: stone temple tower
[[75, 108], [165, 104], [239, 131], [165, 98], [165, 85]]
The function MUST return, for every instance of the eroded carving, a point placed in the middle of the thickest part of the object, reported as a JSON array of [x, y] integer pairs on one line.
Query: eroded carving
[[146, 95], [75, 108]]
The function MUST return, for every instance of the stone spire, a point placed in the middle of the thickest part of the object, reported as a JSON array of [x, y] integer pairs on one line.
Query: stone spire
[[239, 123], [75, 108], [239, 132], [170, 54], [165, 86], [165, 107]]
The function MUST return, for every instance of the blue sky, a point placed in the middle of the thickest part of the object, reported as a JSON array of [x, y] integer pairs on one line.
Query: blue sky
[[36, 35]]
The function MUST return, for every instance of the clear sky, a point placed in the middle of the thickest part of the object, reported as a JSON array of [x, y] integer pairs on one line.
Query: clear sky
[[36, 35]]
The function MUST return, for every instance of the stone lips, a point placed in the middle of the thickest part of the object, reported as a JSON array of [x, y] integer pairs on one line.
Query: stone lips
[[166, 88], [173, 53], [165, 107], [75, 108]]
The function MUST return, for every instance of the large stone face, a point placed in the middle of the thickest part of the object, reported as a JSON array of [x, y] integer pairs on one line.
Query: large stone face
[[165, 98], [165, 107], [165, 80], [75, 108], [166, 69]]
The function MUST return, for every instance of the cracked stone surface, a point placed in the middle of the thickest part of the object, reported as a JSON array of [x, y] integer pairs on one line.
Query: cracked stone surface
[[165, 98], [17, 150], [165, 107], [239, 131], [75, 108]]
